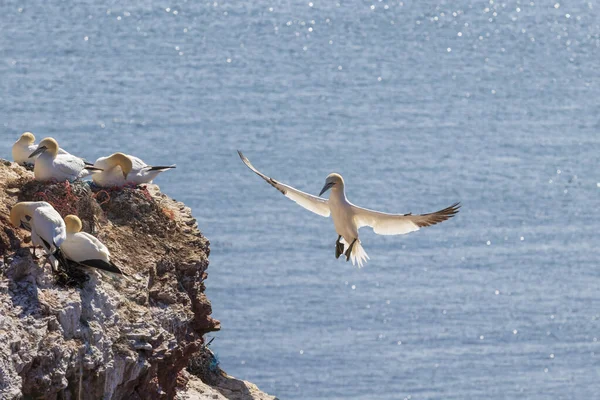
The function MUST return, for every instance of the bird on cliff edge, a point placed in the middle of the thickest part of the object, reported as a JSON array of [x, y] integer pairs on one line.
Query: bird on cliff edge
[[85, 249], [121, 169], [50, 164], [23, 148], [47, 227], [348, 218]]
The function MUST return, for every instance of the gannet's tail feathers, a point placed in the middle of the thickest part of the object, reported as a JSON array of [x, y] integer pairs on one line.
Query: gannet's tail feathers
[[358, 256]]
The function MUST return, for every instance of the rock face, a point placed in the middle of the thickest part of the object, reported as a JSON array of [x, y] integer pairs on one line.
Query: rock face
[[96, 335]]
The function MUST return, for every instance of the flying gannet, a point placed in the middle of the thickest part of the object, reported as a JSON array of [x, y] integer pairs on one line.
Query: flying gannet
[[348, 218], [51, 165], [23, 148], [47, 227], [122, 169], [85, 249]]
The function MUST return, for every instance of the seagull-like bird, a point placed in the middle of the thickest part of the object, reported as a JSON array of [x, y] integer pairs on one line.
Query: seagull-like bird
[[52, 165], [122, 169], [23, 148], [348, 218], [47, 227], [85, 249]]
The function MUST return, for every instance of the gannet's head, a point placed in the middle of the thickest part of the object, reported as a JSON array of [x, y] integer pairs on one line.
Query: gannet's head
[[333, 180], [122, 161], [18, 213], [73, 224], [23, 211], [48, 144], [27, 138]]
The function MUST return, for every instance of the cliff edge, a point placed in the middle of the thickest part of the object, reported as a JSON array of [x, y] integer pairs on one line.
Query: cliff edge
[[85, 334]]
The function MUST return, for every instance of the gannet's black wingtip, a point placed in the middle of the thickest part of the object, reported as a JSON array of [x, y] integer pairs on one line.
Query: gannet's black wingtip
[[103, 265], [161, 167]]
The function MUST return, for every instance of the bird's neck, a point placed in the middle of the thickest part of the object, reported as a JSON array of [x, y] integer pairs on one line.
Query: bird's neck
[[50, 153], [338, 195]]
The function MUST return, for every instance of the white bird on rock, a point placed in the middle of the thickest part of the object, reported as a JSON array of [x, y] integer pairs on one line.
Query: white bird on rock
[[115, 169], [122, 169], [23, 148], [50, 164], [47, 227], [348, 218], [85, 249]]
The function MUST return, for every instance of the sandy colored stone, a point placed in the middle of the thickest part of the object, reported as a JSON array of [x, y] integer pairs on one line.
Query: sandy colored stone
[[228, 388]]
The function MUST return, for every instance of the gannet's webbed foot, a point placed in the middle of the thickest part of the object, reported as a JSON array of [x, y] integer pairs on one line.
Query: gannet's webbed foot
[[349, 251], [339, 247]]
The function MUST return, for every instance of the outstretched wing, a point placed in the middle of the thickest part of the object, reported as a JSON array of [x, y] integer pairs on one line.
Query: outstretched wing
[[399, 224], [312, 203]]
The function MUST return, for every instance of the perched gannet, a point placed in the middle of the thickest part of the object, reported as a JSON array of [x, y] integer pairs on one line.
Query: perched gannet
[[348, 218], [85, 249], [115, 169], [23, 148], [47, 227], [52, 165], [122, 169]]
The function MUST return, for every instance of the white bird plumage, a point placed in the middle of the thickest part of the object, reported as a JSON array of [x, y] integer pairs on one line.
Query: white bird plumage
[[23, 148], [84, 248], [51, 165], [349, 218], [116, 168], [122, 169], [47, 227]]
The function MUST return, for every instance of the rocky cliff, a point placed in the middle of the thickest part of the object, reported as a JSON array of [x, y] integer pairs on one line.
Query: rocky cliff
[[85, 334]]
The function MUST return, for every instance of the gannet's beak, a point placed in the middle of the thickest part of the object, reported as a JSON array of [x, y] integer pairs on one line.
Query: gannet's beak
[[125, 175], [39, 150], [328, 185]]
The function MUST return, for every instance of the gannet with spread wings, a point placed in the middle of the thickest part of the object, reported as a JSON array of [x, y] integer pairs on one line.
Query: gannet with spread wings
[[348, 218]]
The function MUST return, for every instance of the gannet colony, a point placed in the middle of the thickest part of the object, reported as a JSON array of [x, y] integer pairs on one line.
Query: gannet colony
[[62, 240]]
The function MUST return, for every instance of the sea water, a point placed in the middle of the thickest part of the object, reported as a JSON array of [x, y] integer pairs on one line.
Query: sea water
[[418, 104]]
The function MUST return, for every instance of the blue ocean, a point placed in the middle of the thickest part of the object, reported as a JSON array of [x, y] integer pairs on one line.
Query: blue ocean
[[418, 104]]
